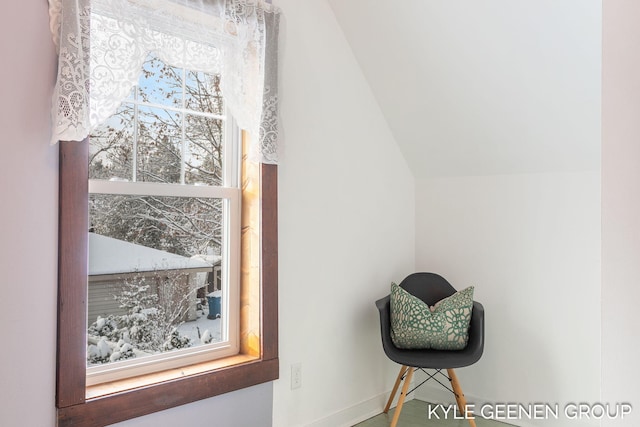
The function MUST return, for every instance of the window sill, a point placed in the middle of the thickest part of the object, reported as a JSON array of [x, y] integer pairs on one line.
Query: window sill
[[122, 400], [100, 390]]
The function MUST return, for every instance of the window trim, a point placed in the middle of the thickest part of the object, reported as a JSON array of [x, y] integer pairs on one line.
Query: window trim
[[73, 408]]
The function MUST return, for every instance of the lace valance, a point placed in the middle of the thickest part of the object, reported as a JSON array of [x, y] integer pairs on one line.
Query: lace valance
[[103, 43]]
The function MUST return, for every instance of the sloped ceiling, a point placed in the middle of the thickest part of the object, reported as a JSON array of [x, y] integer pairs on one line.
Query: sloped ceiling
[[476, 87]]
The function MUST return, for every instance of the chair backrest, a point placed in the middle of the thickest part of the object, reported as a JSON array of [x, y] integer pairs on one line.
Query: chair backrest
[[429, 287]]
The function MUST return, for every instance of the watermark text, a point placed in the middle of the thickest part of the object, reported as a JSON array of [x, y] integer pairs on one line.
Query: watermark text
[[531, 411]]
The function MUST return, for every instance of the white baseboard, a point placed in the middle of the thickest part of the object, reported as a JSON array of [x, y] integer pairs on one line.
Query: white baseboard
[[359, 412]]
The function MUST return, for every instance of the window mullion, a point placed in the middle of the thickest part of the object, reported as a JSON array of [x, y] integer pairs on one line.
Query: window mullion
[[160, 189], [231, 154], [135, 136], [183, 139], [193, 112]]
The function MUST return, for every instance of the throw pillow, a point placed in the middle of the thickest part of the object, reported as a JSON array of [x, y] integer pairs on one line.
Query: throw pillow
[[445, 326]]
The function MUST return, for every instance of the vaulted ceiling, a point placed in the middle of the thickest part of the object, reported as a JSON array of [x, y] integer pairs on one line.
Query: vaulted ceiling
[[475, 87]]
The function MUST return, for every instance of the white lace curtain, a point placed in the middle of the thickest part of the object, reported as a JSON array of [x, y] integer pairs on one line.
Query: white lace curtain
[[102, 45]]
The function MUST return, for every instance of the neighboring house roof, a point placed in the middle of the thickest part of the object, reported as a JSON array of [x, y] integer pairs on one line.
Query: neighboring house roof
[[112, 256]]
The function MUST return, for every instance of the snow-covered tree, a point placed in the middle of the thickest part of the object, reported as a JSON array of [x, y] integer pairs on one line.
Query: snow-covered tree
[[157, 144], [155, 306]]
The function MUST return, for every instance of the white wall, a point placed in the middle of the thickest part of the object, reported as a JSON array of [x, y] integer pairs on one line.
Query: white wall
[[621, 206], [28, 219], [530, 244], [346, 225], [447, 72], [249, 407]]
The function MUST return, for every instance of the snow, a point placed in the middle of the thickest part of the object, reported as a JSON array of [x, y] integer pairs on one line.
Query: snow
[[210, 326], [103, 348], [111, 256], [201, 331]]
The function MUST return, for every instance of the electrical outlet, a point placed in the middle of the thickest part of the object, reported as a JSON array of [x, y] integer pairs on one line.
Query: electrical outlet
[[296, 376]]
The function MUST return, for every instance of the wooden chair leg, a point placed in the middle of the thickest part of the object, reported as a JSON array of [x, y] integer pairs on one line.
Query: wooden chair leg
[[460, 399], [403, 394], [403, 369]]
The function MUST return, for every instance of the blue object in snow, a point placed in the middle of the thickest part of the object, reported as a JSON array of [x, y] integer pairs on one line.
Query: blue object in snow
[[214, 301]]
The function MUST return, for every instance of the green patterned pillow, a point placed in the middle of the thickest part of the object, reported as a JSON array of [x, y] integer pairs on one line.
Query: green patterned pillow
[[445, 326]]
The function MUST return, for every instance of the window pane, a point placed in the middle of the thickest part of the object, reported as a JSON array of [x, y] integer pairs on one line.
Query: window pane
[[160, 83], [154, 275], [159, 145], [203, 93], [204, 158], [111, 146]]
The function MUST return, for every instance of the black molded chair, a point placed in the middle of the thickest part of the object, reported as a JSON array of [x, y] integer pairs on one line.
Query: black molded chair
[[430, 288]]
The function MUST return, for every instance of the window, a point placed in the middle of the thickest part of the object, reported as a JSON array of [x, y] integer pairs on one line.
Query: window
[[79, 405], [153, 153], [164, 220]]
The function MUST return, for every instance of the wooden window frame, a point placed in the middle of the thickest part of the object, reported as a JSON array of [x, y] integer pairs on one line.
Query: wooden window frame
[[73, 407]]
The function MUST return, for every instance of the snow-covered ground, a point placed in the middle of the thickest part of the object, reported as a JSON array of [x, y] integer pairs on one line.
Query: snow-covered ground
[[200, 331], [201, 324]]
